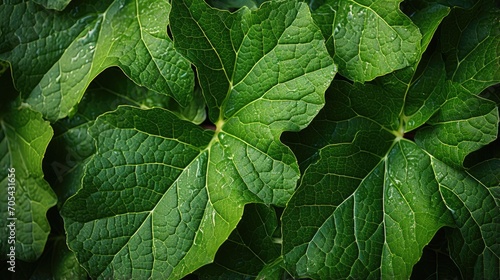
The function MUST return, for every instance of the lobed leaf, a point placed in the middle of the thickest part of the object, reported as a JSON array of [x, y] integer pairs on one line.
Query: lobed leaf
[[368, 206], [169, 193], [461, 126], [473, 54], [249, 250], [436, 261], [53, 67], [368, 39], [24, 136], [476, 211], [370, 200], [72, 144]]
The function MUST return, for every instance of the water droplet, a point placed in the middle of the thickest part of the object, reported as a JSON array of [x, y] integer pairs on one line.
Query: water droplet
[[338, 27], [349, 14]]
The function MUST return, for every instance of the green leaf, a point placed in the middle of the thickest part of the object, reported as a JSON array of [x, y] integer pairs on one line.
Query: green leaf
[[369, 38], [470, 40], [57, 262], [363, 209], [231, 51], [476, 211], [249, 248], [436, 261], [369, 205], [194, 112], [52, 68], [65, 264], [488, 173], [58, 5], [134, 183], [461, 126], [72, 145], [427, 94], [428, 18], [161, 195], [24, 136], [370, 200]]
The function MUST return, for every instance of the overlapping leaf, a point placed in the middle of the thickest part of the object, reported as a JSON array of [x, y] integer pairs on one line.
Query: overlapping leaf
[[372, 199], [53, 66], [58, 5], [24, 136], [436, 261], [473, 57], [72, 144], [369, 38], [476, 211], [161, 195], [249, 250]]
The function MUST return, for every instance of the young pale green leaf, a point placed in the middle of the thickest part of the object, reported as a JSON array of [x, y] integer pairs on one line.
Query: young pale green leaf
[[58, 5], [53, 67], [249, 248], [470, 40], [161, 195], [368, 39], [25, 195]]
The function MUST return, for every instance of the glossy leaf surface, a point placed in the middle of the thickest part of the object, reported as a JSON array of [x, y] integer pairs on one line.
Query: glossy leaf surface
[[178, 191], [371, 198], [53, 67]]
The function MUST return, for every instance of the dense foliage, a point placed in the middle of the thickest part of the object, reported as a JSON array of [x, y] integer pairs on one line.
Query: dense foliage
[[235, 139]]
